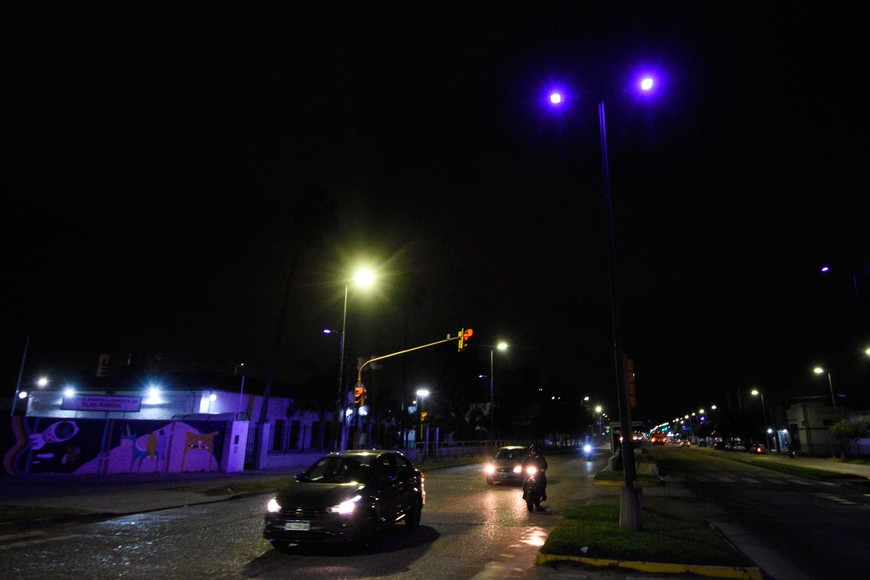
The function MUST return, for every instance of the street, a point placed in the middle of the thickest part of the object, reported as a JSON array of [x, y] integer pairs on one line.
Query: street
[[469, 529], [797, 527]]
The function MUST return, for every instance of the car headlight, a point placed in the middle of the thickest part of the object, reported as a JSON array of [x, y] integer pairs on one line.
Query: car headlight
[[347, 506], [518, 468], [489, 469], [273, 506]]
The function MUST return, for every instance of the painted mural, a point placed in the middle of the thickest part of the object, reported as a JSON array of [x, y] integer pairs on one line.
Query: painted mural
[[107, 446]]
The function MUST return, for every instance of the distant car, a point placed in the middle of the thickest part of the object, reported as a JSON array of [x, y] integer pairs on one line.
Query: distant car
[[658, 439], [506, 466], [346, 496]]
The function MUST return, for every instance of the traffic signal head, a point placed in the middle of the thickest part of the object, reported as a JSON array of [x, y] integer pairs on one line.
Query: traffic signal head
[[464, 335], [359, 396]]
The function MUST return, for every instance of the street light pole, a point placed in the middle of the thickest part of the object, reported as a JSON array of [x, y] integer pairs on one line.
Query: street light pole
[[20, 372], [630, 506], [820, 370], [500, 346], [241, 391], [833, 398], [491, 397], [339, 420], [364, 277], [630, 516], [758, 393]]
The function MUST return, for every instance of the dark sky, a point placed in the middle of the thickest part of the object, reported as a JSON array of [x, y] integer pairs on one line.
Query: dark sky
[[156, 162]]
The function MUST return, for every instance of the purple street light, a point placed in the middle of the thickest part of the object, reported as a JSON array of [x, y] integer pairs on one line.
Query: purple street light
[[630, 516]]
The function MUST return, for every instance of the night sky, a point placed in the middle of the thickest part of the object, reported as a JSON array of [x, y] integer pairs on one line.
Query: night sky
[[159, 166]]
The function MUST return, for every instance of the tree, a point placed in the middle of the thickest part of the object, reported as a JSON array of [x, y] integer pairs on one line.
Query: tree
[[314, 214], [852, 430]]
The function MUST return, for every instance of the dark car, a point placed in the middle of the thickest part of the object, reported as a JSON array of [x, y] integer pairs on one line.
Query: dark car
[[345, 497], [506, 466]]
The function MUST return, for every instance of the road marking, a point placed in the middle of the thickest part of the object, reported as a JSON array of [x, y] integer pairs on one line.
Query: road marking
[[836, 498]]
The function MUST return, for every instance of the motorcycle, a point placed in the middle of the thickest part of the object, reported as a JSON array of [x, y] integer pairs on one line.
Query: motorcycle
[[587, 452], [532, 489]]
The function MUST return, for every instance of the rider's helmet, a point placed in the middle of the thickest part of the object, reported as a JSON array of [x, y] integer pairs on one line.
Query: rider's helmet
[[533, 449]]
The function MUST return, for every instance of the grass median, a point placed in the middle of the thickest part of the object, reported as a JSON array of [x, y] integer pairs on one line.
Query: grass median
[[593, 532]]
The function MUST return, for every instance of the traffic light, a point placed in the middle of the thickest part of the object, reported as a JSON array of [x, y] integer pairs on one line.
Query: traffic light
[[359, 396], [424, 416], [464, 335], [629, 383]]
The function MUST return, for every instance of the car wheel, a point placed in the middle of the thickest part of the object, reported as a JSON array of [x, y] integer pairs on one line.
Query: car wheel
[[412, 520], [490, 481], [365, 534]]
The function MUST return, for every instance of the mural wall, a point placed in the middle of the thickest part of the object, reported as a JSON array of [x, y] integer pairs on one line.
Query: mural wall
[[105, 446]]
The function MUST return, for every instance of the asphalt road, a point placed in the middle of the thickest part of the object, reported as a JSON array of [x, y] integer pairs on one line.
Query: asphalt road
[[795, 528]]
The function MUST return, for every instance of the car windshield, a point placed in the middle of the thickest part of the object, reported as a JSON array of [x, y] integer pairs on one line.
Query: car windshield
[[338, 470], [508, 454]]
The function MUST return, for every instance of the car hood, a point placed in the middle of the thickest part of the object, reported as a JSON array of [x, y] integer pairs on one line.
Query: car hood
[[309, 494]]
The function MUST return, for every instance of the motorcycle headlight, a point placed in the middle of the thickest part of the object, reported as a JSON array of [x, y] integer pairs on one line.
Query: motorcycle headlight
[[587, 448], [347, 506], [531, 470]]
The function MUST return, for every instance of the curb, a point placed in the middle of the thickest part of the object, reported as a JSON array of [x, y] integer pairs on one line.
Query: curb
[[748, 573]]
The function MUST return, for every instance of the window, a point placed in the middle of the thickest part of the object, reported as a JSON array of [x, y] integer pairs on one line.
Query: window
[[295, 427], [278, 435]]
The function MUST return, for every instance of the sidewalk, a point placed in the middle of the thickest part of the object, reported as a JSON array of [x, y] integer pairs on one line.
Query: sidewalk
[[132, 493]]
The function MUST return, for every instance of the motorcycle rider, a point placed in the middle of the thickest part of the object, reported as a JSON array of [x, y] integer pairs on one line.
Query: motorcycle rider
[[536, 458]]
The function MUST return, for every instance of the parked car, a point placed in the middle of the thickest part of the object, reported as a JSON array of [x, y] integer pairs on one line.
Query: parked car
[[346, 496], [506, 466]]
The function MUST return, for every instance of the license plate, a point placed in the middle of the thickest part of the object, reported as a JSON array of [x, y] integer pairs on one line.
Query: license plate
[[297, 526]]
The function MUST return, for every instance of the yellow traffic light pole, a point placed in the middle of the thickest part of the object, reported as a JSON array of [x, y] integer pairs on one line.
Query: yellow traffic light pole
[[463, 336]]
